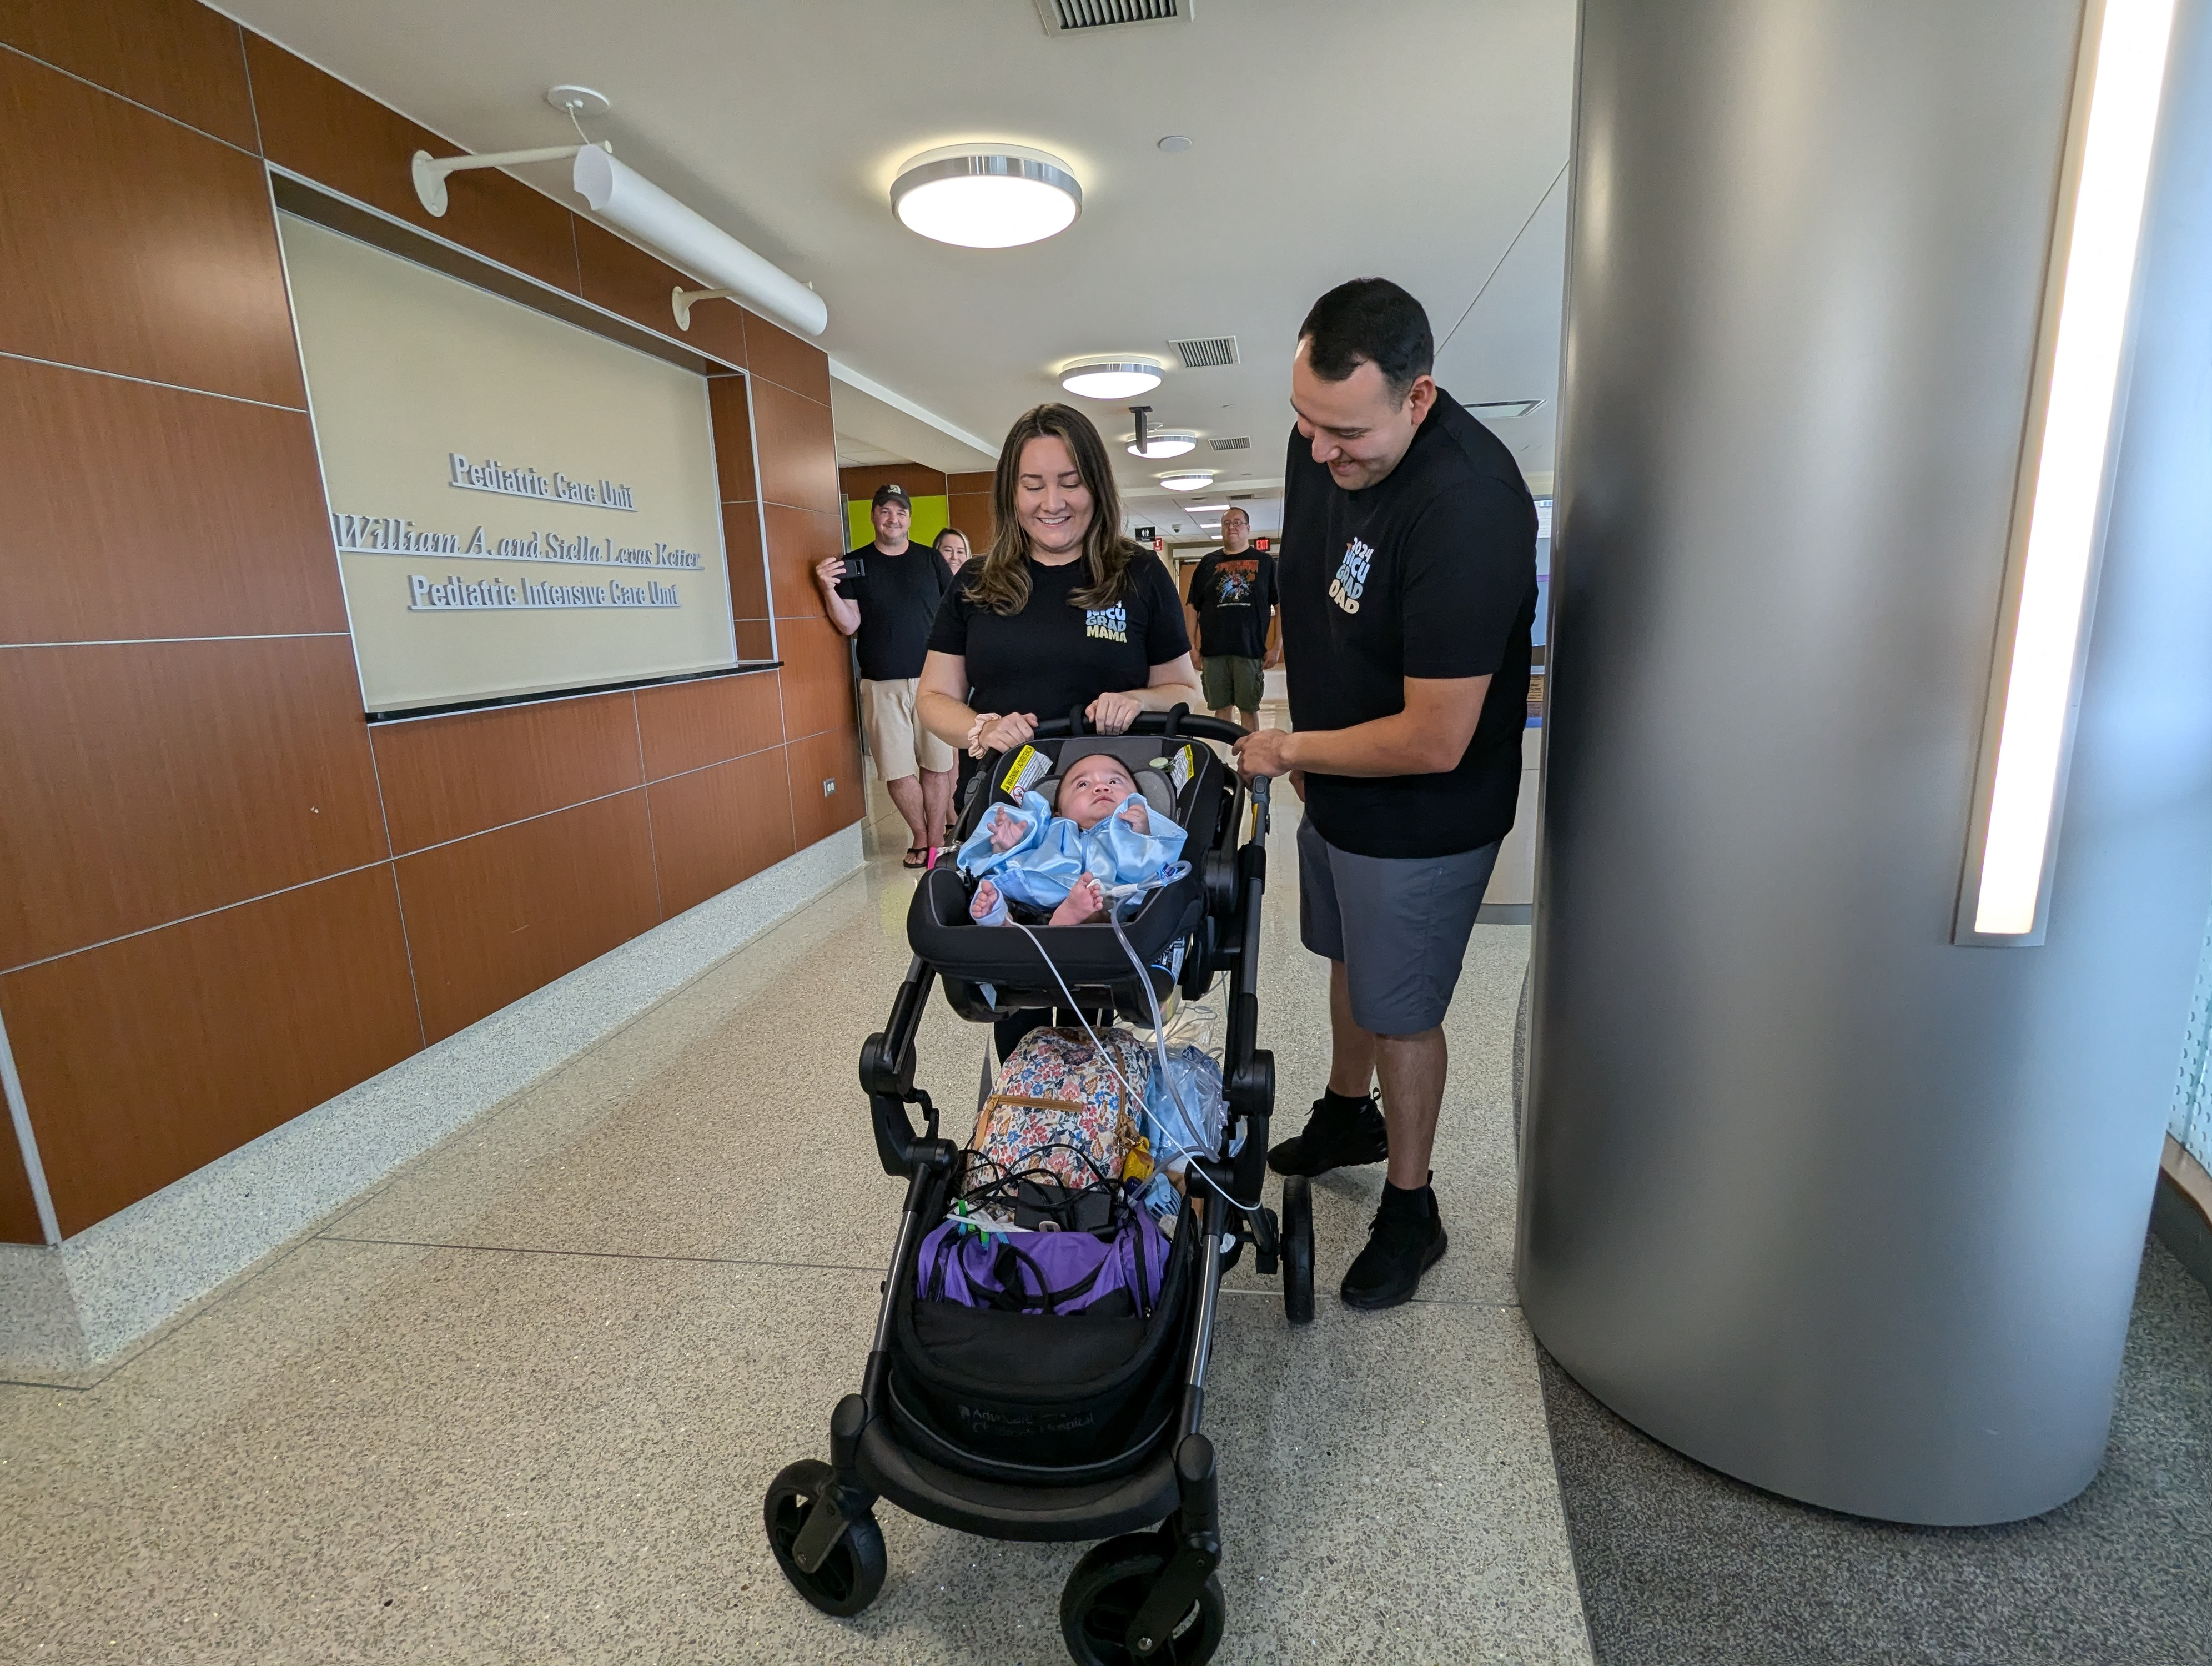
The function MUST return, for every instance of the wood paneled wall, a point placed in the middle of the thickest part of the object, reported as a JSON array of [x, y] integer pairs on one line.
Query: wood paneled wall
[[970, 497], [224, 897], [859, 483]]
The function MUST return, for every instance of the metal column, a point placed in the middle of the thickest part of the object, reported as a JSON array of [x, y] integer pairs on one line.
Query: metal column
[[1809, 1193]]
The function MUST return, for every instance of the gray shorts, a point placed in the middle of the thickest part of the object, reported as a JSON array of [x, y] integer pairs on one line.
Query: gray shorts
[[1399, 924]]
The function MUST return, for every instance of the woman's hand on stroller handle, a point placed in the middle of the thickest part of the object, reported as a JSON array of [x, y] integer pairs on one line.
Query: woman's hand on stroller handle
[[1003, 734], [1113, 713]]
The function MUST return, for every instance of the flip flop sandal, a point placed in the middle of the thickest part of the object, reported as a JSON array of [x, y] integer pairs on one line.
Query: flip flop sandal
[[916, 856]]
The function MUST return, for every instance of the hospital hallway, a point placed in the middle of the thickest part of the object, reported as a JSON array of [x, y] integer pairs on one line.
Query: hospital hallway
[[520, 1401]]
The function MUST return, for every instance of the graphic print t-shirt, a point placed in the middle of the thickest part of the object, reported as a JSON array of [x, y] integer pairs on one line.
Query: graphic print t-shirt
[[1233, 596], [1053, 655], [898, 597], [1429, 572]]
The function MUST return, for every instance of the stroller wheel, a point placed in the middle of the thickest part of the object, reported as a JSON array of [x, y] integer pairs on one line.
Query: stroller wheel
[[853, 1573], [1297, 1249], [1108, 1588]]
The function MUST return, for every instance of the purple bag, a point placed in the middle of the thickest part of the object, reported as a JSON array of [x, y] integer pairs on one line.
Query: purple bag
[[1043, 1272]]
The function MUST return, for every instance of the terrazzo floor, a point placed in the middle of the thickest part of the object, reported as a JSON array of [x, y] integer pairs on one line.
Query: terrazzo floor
[[519, 1403]]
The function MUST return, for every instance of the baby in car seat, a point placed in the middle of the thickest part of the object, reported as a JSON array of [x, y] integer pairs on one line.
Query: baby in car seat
[[1104, 835]]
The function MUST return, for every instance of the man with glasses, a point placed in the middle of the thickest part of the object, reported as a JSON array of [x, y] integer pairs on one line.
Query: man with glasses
[[1231, 613]]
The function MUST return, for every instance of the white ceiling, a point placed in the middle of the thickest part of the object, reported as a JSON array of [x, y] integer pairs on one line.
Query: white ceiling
[[1420, 139]]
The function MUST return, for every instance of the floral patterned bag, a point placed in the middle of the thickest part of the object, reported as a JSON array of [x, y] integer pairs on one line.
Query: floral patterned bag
[[1062, 1107]]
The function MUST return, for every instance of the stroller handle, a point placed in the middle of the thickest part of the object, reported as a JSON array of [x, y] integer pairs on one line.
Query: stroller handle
[[1175, 721]]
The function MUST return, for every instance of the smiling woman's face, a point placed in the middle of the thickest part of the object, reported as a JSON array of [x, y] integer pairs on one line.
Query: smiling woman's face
[[1051, 502]]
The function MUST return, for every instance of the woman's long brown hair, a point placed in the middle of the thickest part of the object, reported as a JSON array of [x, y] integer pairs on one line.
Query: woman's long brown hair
[[1000, 578]]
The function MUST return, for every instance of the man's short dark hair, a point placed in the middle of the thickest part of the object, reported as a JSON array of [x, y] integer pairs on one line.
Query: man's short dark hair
[[1370, 320]]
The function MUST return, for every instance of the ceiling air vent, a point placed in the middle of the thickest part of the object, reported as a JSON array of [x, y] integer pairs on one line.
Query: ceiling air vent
[[1205, 350], [1242, 442], [1089, 16]]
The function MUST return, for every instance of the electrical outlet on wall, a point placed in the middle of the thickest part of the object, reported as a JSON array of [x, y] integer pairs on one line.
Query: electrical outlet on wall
[[828, 786]]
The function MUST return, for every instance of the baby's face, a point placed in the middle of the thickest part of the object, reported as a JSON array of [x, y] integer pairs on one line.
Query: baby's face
[[1089, 791]]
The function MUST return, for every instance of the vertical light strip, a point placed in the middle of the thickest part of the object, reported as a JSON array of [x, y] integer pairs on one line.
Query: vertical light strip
[[2085, 368]]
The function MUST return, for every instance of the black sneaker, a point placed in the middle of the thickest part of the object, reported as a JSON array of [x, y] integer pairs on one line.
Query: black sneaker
[[1333, 1138], [1407, 1239]]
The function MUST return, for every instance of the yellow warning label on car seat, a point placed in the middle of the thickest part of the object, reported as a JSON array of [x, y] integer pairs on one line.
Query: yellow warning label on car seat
[[1029, 766]]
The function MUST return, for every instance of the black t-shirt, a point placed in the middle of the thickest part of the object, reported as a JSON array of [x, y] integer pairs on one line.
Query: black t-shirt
[[898, 597], [1053, 656], [1233, 596], [1431, 572]]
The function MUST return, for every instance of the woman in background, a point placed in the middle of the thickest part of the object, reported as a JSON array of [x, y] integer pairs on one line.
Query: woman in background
[[952, 546], [952, 549]]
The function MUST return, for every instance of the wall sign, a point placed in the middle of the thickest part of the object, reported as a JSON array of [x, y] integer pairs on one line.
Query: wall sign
[[519, 506]]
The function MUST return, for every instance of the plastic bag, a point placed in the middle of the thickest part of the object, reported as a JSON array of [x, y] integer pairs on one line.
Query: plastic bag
[[1184, 1111]]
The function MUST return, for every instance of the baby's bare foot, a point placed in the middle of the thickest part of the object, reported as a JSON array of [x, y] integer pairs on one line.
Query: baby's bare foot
[[986, 903], [1084, 903]]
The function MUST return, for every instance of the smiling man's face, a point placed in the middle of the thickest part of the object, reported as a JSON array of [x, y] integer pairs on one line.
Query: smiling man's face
[[1358, 428]]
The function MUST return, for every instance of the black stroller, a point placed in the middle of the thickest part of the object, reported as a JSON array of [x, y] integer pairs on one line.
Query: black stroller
[[1019, 1426]]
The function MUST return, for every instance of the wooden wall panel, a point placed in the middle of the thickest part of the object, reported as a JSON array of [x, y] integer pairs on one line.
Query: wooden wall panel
[[149, 781], [779, 356], [741, 544], [717, 826], [491, 918], [18, 1210], [834, 755], [143, 1059], [733, 439], [320, 128], [619, 276], [688, 726], [755, 639], [797, 540], [816, 678], [136, 246], [971, 509], [129, 510], [859, 485], [166, 780], [174, 55], [446, 777], [798, 450]]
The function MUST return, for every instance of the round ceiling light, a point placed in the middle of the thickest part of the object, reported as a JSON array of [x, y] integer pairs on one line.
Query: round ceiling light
[[1187, 483], [1110, 379], [1162, 443], [986, 195]]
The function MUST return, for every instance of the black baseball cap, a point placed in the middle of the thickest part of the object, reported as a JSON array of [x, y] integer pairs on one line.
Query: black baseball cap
[[893, 493]]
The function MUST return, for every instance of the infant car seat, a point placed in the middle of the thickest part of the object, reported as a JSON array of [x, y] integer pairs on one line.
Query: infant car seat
[[1183, 780]]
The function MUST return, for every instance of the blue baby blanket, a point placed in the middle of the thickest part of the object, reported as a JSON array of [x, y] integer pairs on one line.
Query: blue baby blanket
[[1053, 853]]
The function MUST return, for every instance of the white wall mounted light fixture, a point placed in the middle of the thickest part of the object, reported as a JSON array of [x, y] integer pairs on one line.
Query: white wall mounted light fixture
[[986, 195], [1111, 378], [633, 204], [2004, 896]]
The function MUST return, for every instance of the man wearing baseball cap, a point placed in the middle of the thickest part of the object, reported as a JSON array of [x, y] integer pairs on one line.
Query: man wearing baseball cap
[[884, 596]]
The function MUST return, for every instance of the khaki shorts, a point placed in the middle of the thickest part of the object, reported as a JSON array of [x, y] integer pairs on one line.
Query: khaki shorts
[[896, 740]]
